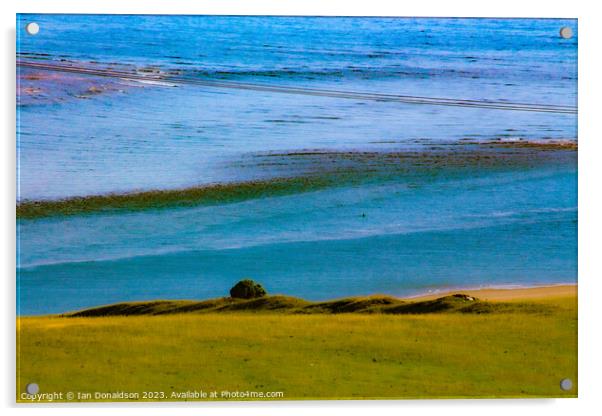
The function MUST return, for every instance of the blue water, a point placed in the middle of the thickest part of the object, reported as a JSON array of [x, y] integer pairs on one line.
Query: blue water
[[514, 224]]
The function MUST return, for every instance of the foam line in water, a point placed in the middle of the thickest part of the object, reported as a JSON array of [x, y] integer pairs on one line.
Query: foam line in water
[[406, 99]]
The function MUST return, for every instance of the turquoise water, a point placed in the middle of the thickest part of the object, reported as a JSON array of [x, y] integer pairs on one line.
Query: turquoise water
[[477, 217]]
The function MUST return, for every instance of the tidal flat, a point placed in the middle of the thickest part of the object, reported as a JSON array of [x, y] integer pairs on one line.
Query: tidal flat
[[276, 173]]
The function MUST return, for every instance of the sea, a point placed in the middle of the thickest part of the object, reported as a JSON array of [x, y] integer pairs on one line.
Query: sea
[[421, 198]]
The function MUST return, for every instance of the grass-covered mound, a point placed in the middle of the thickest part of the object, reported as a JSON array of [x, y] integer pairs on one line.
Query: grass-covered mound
[[457, 303]]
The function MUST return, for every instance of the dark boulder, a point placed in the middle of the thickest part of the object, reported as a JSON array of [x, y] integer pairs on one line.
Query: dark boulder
[[247, 289]]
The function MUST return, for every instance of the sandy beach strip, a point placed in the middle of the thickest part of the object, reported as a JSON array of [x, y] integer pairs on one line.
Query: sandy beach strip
[[509, 294]]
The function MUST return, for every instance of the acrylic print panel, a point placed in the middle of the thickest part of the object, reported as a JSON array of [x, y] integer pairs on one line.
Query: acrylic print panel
[[284, 208]]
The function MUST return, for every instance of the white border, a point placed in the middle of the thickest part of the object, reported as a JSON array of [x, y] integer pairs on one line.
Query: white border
[[590, 207]]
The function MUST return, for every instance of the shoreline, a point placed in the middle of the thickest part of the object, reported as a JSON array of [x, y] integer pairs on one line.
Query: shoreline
[[501, 293], [373, 303], [483, 294]]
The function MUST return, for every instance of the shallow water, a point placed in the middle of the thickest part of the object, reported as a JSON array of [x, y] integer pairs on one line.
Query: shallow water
[[402, 232], [73, 142]]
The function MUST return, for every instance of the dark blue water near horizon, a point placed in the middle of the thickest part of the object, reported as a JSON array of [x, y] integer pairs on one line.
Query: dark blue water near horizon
[[514, 225]]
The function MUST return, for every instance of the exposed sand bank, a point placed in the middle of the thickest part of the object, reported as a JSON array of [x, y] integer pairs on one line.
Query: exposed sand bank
[[278, 174]]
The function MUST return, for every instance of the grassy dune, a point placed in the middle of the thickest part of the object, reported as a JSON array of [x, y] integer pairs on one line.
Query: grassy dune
[[509, 349], [286, 304]]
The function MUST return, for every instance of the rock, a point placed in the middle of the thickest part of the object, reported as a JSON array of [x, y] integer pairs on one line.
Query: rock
[[247, 289]]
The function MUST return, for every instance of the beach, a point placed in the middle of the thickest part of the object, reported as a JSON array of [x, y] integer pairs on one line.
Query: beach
[[512, 294]]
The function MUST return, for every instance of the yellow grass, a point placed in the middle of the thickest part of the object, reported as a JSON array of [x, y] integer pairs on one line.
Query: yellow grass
[[522, 353]]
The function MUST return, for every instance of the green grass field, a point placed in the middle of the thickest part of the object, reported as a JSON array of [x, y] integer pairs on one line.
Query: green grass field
[[519, 351]]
